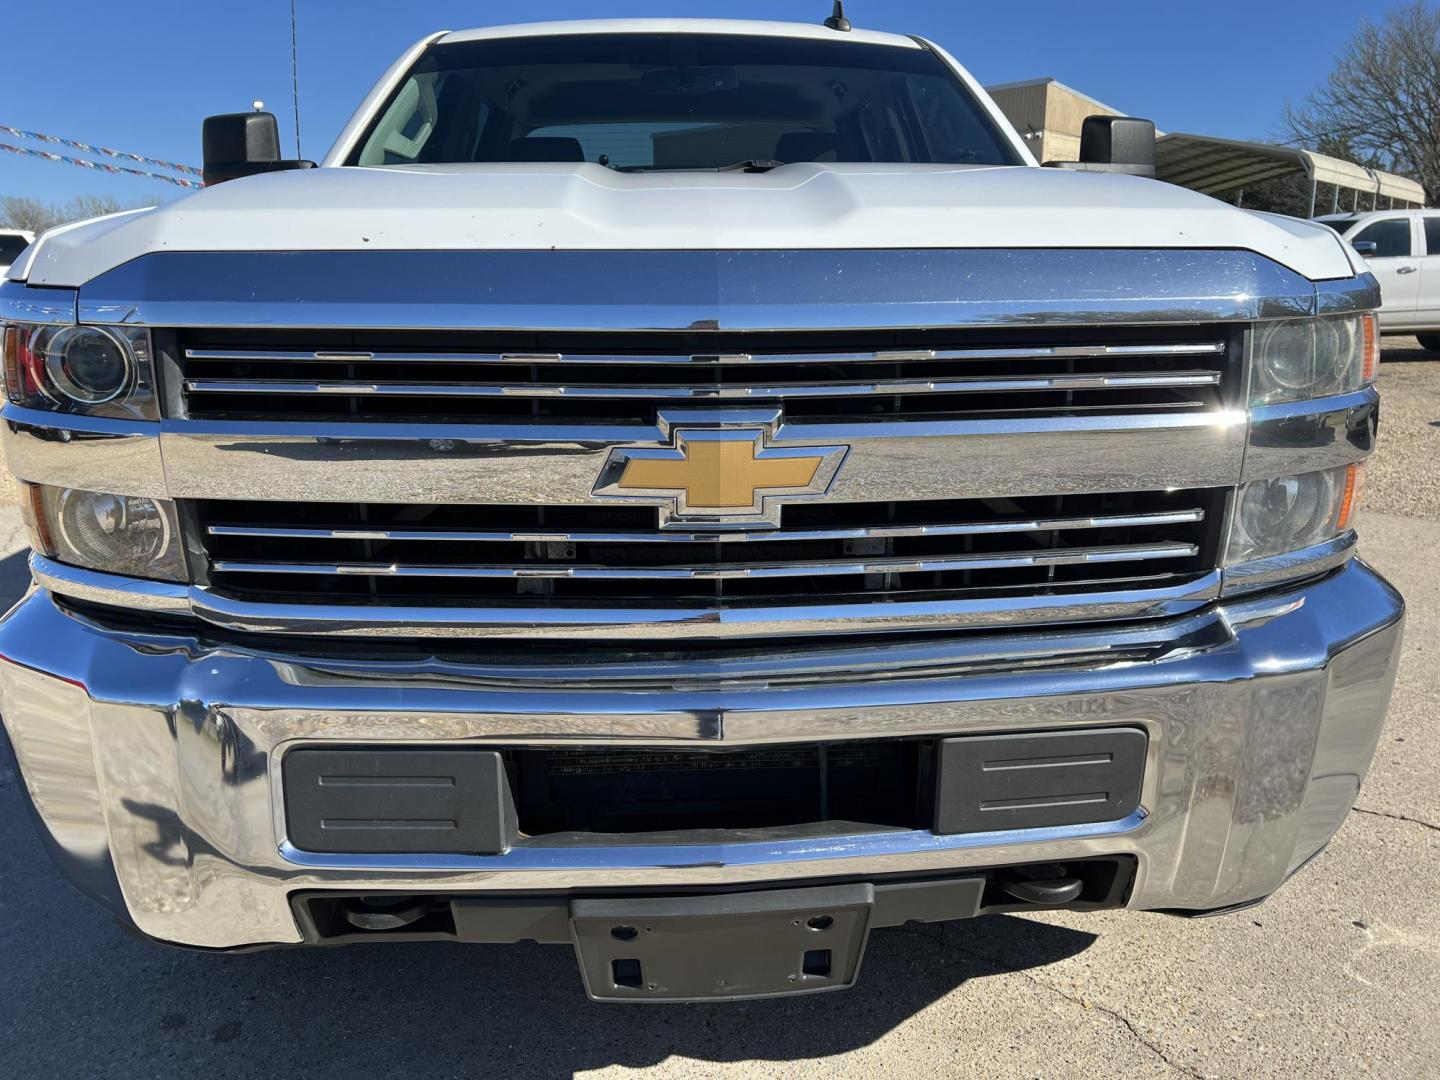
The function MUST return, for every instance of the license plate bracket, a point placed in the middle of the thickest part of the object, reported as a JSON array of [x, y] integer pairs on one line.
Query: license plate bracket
[[725, 947]]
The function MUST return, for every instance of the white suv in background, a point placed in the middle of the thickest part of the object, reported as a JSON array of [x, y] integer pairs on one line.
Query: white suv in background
[[12, 243], [1403, 250]]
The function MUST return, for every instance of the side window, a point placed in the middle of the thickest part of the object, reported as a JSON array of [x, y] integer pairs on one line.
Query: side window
[[1391, 237], [1432, 235]]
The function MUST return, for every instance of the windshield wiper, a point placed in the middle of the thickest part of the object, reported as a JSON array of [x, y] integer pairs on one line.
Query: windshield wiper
[[751, 165]]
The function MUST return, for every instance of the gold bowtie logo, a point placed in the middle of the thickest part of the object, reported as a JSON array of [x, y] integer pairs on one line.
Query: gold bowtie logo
[[719, 476]]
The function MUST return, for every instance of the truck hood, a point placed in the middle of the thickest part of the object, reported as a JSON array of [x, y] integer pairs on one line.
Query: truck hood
[[587, 206]]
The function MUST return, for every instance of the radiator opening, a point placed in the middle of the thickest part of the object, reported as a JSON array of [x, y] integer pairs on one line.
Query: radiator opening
[[646, 790]]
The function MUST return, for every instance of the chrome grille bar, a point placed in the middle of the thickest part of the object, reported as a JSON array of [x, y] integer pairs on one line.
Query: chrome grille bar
[[883, 356], [977, 528], [889, 387], [625, 379], [581, 565], [1066, 557]]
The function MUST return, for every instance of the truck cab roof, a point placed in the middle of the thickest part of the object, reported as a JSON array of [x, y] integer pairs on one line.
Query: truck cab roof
[[1343, 223], [742, 27]]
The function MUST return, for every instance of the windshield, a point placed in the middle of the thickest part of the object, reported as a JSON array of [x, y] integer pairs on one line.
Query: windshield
[[680, 101], [10, 248]]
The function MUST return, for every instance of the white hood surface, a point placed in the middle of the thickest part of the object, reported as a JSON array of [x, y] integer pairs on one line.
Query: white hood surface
[[586, 206]]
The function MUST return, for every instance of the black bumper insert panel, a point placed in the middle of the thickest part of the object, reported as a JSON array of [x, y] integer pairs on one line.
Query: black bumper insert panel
[[987, 783], [398, 800]]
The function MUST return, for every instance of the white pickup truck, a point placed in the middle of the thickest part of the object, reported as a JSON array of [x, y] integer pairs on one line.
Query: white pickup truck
[[697, 492], [1402, 249], [12, 243]]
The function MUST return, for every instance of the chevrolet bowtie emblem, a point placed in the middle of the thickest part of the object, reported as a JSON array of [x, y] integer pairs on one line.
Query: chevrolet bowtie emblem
[[719, 476]]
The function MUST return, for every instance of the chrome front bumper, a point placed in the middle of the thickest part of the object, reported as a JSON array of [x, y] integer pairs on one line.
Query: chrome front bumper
[[153, 758]]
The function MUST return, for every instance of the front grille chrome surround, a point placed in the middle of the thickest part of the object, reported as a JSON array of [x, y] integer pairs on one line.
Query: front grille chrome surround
[[706, 319], [956, 533]]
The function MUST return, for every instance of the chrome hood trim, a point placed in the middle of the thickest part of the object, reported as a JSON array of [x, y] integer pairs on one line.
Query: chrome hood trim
[[705, 290]]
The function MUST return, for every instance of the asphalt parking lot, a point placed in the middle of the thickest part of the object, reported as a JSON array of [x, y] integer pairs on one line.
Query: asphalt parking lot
[[1337, 975]]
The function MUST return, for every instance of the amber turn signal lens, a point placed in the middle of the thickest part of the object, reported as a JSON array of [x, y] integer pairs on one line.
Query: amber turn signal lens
[[12, 359], [1371, 362], [1350, 498], [32, 515]]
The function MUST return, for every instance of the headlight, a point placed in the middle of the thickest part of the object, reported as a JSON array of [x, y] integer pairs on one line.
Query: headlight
[[1308, 358], [88, 365], [118, 534], [100, 370], [1293, 512]]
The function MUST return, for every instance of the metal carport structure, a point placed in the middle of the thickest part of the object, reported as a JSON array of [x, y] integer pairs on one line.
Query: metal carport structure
[[1219, 166]]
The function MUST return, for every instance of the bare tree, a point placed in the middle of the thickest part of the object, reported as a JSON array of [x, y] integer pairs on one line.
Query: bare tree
[[1382, 100], [19, 212]]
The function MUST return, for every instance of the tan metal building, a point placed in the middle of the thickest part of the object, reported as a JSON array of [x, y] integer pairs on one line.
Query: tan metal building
[[1048, 115]]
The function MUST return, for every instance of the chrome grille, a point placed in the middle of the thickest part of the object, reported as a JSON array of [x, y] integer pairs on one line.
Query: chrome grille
[[605, 557], [626, 378]]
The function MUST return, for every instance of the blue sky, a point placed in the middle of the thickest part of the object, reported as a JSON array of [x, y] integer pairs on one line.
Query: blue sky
[[139, 76]]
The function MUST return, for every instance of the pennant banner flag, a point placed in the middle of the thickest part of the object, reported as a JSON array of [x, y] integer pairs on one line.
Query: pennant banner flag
[[98, 166], [21, 133]]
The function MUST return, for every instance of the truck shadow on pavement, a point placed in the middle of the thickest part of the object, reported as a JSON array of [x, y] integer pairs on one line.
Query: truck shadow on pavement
[[14, 577], [1407, 351], [415, 1010], [453, 1010]]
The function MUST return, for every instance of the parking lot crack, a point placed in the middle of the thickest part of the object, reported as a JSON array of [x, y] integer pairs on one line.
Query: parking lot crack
[[1003, 967], [1397, 817]]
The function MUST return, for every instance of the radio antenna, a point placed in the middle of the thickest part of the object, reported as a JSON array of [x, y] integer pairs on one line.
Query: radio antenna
[[837, 19], [295, 79]]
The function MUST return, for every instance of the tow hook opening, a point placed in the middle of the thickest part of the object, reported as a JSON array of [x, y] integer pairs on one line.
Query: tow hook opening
[[386, 914], [1044, 884]]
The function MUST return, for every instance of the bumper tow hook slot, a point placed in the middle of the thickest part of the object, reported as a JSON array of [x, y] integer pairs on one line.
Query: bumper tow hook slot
[[1045, 885], [386, 913]]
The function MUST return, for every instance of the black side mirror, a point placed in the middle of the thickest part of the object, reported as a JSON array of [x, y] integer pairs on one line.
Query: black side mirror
[[1114, 144], [243, 144], [1367, 248]]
